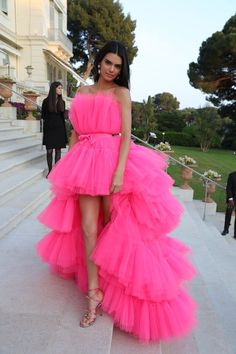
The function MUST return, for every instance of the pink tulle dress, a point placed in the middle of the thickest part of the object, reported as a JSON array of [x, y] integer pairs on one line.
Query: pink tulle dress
[[142, 270]]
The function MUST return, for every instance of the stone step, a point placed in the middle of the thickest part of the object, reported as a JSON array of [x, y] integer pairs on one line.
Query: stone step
[[123, 343], [215, 262], [11, 131], [5, 123], [209, 335], [217, 244], [40, 312], [15, 210], [200, 340], [16, 183], [15, 139], [186, 345], [21, 147], [36, 302], [184, 195], [16, 163]]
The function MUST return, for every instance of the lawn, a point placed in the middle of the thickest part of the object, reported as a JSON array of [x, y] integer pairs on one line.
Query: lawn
[[222, 161]]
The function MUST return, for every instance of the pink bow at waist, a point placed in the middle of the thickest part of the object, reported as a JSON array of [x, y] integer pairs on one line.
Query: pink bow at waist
[[92, 137]]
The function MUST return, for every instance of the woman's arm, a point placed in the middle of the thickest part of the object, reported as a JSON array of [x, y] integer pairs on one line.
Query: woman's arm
[[123, 97], [74, 136]]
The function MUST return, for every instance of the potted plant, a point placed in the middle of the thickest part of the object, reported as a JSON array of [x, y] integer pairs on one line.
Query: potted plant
[[30, 103], [210, 186], [164, 147], [186, 172], [6, 89]]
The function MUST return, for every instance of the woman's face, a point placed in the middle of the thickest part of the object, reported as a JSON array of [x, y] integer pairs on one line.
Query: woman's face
[[59, 90], [110, 66]]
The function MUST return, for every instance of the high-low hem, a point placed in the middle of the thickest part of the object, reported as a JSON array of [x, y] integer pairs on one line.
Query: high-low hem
[[142, 271]]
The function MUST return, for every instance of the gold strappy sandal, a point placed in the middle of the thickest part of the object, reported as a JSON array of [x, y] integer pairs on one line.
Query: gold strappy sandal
[[90, 315]]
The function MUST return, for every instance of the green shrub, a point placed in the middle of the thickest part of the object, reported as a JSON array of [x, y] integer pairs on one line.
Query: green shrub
[[233, 145], [68, 127], [216, 143], [181, 139], [139, 132]]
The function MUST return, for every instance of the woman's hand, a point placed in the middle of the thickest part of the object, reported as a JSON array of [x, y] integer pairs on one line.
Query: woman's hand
[[117, 182], [230, 204]]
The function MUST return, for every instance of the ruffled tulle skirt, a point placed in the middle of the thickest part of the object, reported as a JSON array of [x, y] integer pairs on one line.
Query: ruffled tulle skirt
[[142, 271]]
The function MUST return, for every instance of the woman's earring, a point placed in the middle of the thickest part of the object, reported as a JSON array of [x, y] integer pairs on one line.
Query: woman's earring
[[99, 70]]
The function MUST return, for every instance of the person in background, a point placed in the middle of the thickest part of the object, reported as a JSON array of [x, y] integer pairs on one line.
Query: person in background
[[231, 203], [54, 129]]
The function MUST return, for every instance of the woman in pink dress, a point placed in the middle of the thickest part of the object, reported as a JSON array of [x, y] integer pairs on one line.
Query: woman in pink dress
[[111, 214]]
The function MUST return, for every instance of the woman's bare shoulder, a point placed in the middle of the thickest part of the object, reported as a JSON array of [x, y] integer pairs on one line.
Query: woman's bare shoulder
[[86, 89], [122, 94]]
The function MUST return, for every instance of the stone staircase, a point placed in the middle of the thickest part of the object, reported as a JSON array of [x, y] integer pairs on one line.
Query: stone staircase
[[39, 312], [22, 163], [36, 304]]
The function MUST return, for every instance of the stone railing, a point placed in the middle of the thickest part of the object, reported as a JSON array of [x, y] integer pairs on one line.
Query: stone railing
[[208, 205]]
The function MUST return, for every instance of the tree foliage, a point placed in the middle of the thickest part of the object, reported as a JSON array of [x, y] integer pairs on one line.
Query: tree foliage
[[149, 122], [137, 114], [215, 70], [165, 102], [228, 133], [71, 85], [91, 23], [171, 121], [207, 124]]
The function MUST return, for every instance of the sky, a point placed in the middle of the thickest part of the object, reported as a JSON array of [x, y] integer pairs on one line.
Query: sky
[[168, 35]]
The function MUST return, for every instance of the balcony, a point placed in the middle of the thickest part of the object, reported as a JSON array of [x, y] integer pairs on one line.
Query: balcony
[[56, 35]]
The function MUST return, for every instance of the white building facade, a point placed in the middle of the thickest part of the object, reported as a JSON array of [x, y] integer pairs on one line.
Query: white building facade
[[34, 47]]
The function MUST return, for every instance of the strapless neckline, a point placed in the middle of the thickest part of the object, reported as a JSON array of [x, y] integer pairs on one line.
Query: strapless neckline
[[100, 94]]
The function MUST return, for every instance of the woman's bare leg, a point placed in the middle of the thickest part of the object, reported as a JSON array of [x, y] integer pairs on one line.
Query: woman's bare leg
[[89, 207], [106, 209]]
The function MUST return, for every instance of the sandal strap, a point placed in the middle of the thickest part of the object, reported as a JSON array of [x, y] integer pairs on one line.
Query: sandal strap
[[92, 296], [90, 313], [88, 319], [93, 289], [92, 299]]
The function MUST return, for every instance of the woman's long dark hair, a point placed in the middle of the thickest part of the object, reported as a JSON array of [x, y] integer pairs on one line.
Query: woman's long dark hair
[[119, 49], [55, 103]]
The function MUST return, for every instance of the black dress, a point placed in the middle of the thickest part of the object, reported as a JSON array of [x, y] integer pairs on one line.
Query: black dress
[[54, 128]]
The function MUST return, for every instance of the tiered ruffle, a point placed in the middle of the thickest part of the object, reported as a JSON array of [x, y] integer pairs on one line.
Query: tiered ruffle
[[142, 270]]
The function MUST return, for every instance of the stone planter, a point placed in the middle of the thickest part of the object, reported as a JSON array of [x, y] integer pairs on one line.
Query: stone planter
[[210, 189], [168, 152], [6, 92], [186, 175], [30, 104]]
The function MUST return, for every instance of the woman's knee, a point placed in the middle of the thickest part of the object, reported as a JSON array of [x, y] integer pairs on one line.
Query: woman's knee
[[89, 230], [89, 207]]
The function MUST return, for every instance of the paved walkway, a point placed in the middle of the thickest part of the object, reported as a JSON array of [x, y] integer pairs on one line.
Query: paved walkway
[[39, 312]]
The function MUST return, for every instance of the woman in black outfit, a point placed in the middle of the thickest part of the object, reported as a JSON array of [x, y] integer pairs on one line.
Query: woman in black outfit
[[54, 129]]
